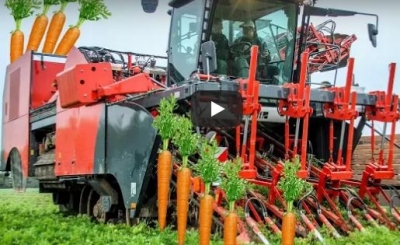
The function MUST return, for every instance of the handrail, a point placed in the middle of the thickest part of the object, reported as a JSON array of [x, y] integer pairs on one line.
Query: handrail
[[378, 132]]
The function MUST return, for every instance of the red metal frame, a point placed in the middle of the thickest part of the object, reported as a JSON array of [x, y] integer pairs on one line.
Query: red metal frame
[[331, 55], [385, 110], [249, 88], [341, 109], [297, 106]]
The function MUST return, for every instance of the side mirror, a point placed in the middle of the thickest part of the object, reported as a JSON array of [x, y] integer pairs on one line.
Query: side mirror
[[178, 3], [149, 6], [372, 33], [208, 57]]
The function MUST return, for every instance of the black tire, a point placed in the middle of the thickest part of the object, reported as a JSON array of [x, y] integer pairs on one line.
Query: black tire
[[18, 179]]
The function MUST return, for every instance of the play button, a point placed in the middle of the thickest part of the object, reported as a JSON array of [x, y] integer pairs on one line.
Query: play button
[[215, 109], [220, 109]]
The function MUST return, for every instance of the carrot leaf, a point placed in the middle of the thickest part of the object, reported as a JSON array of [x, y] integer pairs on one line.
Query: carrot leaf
[[48, 4], [165, 121], [208, 166], [64, 4], [185, 139], [92, 10], [21, 9], [233, 185], [290, 184]]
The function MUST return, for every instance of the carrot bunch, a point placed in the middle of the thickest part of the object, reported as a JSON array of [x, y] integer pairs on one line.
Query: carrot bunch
[[164, 122], [187, 142], [208, 168], [292, 187], [90, 10], [39, 26], [20, 9], [235, 188], [56, 25]]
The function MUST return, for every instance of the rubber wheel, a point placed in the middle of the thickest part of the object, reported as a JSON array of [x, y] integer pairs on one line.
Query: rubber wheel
[[18, 179]]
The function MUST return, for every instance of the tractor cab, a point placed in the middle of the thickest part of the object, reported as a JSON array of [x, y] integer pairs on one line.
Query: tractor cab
[[233, 26]]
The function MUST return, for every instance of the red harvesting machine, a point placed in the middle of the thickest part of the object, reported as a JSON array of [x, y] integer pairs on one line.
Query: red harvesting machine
[[82, 124]]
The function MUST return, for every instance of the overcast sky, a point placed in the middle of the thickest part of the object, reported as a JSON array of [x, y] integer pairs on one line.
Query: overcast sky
[[130, 29]]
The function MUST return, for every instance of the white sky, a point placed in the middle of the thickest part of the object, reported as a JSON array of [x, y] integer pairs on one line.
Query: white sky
[[130, 29]]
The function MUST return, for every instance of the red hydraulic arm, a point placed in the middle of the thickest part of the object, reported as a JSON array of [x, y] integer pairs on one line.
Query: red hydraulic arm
[[343, 108], [249, 89], [385, 110], [297, 105]]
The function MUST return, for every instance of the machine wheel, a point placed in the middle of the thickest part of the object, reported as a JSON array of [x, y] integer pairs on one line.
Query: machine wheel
[[91, 202], [83, 200], [71, 207], [98, 212], [18, 179]]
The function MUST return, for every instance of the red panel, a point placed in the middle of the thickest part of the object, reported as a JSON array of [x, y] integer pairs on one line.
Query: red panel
[[66, 136], [15, 131], [86, 142], [76, 133], [77, 130], [78, 86], [15, 84], [43, 76]]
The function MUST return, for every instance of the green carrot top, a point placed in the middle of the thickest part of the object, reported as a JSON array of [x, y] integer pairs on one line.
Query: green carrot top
[[47, 4], [291, 185], [233, 185], [165, 122], [92, 10], [184, 137], [21, 9], [208, 166], [64, 4]]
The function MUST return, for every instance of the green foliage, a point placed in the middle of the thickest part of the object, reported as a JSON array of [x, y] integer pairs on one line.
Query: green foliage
[[51, 2], [208, 166], [291, 185], [233, 185], [21, 9], [92, 10], [165, 122], [185, 139], [64, 4], [48, 4], [31, 218], [25, 215]]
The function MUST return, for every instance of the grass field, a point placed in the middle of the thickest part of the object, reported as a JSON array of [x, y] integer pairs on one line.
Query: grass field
[[30, 218]]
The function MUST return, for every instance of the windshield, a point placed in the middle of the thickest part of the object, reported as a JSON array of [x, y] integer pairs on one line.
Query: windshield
[[184, 40], [268, 24]]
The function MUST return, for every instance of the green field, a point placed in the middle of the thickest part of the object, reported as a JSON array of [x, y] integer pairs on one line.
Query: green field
[[30, 218]]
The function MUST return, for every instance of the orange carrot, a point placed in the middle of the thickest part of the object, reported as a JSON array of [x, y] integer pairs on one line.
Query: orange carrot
[[20, 9], [234, 187], [209, 168], [205, 220], [68, 41], [16, 45], [187, 143], [164, 122], [183, 192], [89, 10], [230, 229], [289, 231], [39, 26], [164, 169], [55, 28], [292, 188], [56, 25]]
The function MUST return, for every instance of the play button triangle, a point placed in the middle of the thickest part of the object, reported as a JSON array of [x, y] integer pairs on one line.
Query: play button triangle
[[215, 109]]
